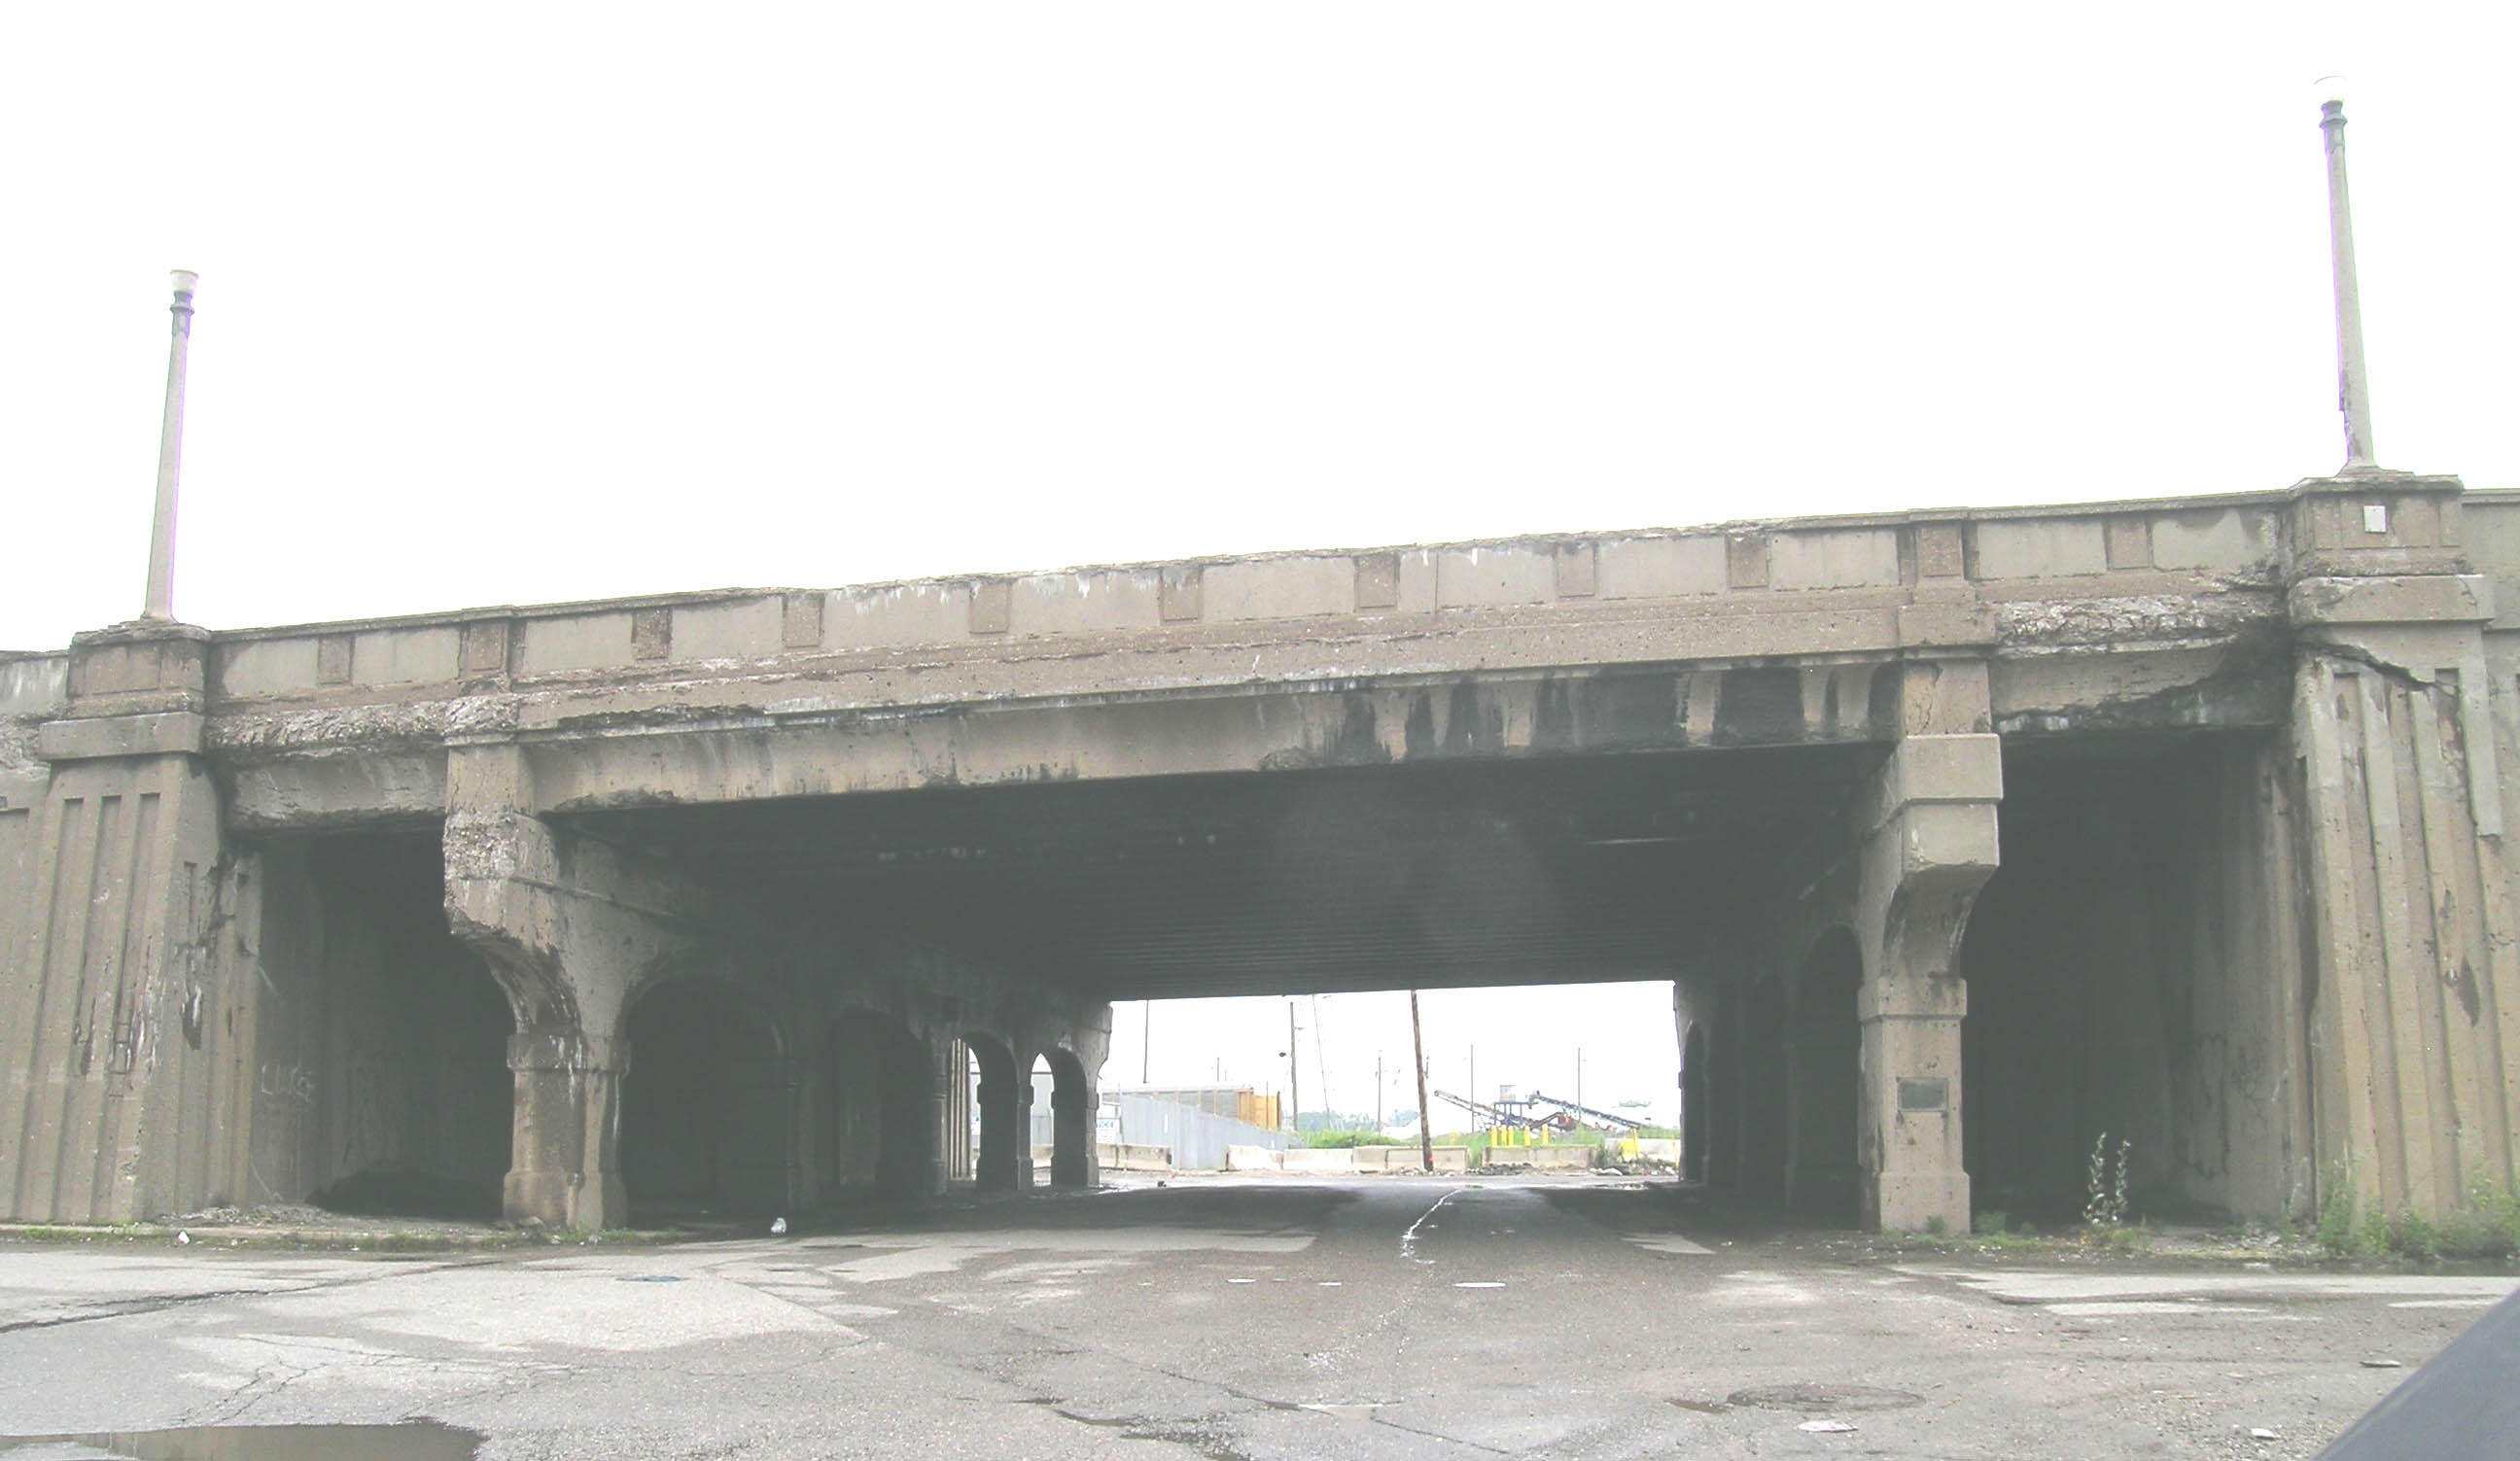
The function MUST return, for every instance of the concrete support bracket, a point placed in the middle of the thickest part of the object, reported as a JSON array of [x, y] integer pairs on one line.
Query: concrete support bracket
[[571, 928], [1931, 847]]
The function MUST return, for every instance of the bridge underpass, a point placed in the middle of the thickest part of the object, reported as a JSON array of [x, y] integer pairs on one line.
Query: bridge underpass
[[745, 1095], [2179, 823]]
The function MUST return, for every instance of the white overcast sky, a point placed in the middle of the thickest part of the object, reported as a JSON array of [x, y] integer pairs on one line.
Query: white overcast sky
[[516, 303]]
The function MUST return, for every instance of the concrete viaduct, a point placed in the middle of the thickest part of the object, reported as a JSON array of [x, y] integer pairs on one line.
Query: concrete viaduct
[[716, 898]]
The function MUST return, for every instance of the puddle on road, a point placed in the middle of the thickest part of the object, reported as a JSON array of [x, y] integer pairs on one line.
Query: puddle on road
[[411, 1440], [1819, 1397]]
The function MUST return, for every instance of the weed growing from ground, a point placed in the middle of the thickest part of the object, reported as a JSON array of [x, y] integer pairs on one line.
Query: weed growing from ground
[[2104, 1185]]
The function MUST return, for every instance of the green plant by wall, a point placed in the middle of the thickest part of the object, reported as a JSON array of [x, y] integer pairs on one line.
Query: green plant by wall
[[2485, 1229], [2338, 1234], [2104, 1184]]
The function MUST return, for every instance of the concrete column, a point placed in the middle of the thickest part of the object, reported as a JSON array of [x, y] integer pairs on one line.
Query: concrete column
[[1020, 1127], [569, 928], [1927, 844], [129, 1020], [564, 1165], [942, 1076], [1002, 1165], [1073, 1101]]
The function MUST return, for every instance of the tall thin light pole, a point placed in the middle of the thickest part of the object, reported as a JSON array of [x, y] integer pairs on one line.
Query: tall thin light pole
[[170, 453], [1294, 1092], [1425, 1123], [2354, 386]]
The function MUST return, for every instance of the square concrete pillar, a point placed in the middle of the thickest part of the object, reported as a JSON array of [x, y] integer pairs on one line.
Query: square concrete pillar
[[945, 1073], [563, 1168], [1929, 845], [1027, 1172], [1908, 1125]]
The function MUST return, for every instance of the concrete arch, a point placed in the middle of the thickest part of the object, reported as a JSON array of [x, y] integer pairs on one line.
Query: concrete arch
[[1003, 1160], [1072, 1109], [706, 1109], [882, 1105], [389, 1052]]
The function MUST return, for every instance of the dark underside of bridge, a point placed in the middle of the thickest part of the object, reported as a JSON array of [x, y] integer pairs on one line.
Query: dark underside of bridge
[[1543, 870]]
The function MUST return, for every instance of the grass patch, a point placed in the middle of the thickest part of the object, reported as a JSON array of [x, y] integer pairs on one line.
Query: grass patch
[[401, 1240], [2485, 1229]]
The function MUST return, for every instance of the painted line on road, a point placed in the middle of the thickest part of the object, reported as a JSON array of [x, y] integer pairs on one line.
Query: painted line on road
[[2103, 1308], [1672, 1243], [1409, 1239]]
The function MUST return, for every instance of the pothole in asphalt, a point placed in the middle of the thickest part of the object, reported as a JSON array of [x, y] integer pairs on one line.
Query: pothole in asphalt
[[1817, 1397], [412, 1441]]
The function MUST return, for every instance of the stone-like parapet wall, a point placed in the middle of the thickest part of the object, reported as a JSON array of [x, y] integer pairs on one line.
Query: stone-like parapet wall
[[2134, 615], [2128, 570]]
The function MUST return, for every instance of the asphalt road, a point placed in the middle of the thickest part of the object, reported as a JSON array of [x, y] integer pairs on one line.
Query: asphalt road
[[1383, 1317]]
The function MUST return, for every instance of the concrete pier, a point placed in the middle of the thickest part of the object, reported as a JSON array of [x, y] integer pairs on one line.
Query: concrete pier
[[1967, 839]]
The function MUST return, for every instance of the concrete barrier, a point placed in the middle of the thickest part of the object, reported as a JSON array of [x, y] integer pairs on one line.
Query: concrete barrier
[[1339, 1160], [1120, 1157], [1541, 1157]]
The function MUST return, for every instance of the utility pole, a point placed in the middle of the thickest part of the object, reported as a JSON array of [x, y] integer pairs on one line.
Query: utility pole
[[1425, 1125], [171, 453], [1377, 1090], [1294, 1098], [1475, 1084], [1578, 1074], [2354, 387]]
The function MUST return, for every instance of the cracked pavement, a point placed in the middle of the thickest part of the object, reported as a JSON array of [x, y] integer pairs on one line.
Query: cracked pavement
[[1223, 1319]]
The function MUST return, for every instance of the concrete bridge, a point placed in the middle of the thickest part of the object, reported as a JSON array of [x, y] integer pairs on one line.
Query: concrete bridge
[[718, 897]]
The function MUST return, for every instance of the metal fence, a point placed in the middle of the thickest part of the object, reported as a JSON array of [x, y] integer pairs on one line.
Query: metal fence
[[1197, 1138]]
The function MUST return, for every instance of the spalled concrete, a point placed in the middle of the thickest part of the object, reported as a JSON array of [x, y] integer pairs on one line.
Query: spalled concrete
[[268, 892]]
